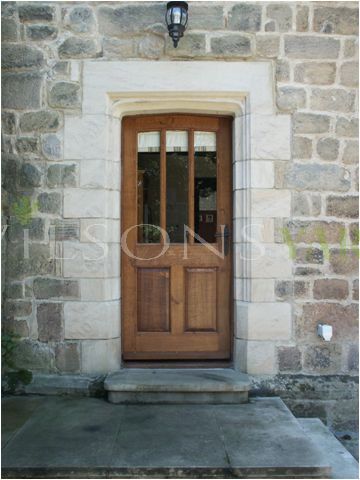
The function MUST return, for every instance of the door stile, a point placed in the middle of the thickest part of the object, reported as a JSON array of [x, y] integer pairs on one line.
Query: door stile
[[191, 188], [162, 181]]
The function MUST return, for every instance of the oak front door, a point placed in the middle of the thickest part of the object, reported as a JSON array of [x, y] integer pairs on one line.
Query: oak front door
[[176, 237]]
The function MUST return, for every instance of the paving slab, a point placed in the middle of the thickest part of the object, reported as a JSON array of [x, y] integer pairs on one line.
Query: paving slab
[[343, 464], [88, 437], [15, 411]]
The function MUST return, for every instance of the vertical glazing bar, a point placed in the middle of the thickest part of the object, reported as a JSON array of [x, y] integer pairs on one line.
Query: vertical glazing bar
[[163, 180], [191, 192]]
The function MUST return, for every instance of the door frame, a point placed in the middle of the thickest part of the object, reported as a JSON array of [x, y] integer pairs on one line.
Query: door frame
[[175, 363]]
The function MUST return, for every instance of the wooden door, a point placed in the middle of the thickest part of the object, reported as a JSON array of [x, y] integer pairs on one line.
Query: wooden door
[[176, 290]]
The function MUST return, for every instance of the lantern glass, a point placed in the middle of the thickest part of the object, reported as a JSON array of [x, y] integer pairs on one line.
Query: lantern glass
[[176, 15]]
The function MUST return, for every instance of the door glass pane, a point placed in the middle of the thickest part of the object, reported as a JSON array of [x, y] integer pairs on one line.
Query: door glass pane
[[176, 184], [205, 185], [148, 187]]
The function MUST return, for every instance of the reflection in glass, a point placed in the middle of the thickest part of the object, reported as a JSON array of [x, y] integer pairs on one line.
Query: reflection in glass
[[148, 187], [176, 184], [205, 210]]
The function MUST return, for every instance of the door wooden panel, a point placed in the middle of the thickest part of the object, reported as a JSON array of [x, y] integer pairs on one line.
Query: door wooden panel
[[201, 300], [153, 313], [176, 298]]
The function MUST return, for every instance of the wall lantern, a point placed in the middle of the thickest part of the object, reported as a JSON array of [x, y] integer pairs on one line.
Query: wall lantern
[[176, 19]]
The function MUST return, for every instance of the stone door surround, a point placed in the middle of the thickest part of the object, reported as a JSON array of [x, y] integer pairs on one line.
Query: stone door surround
[[114, 89]]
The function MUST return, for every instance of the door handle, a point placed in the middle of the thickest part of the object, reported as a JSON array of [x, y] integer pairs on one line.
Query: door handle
[[225, 235]]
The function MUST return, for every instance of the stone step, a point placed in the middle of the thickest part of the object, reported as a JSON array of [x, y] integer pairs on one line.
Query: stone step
[[91, 438], [212, 386], [342, 463]]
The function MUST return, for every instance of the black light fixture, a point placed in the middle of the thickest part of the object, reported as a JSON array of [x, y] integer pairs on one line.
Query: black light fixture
[[176, 19]]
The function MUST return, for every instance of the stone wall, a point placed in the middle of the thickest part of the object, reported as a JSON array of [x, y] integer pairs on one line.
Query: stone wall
[[313, 48]]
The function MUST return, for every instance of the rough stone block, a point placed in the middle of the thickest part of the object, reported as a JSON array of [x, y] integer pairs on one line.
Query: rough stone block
[[289, 359], [8, 122], [14, 290], [65, 95], [231, 46], [67, 357], [305, 204], [51, 146], [349, 74], [61, 175], [33, 12], [343, 319], [302, 19], [267, 46], [309, 255], [311, 123], [65, 229], [302, 147], [351, 152], [315, 231], [41, 121], [15, 326], [35, 229], [328, 148], [317, 73], [245, 17], [344, 262], [282, 14], [335, 100], [323, 358], [347, 127], [338, 20], [316, 177], [150, 46], [21, 90], [46, 288], [92, 320], [306, 271], [21, 56], [351, 48], [30, 176], [27, 145], [282, 71], [34, 356], [311, 47], [270, 26], [355, 290], [39, 262], [209, 16], [9, 30], [79, 47], [331, 289], [118, 48], [347, 207], [79, 19], [18, 308], [290, 99], [354, 233], [191, 45], [49, 202], [41, 32], [353, 358], [115, 22], [50, 322]]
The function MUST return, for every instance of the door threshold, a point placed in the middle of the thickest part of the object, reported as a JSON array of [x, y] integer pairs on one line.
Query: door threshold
[[177, 364]]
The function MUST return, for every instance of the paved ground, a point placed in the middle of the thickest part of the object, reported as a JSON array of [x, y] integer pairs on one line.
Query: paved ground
[[49, 437]]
